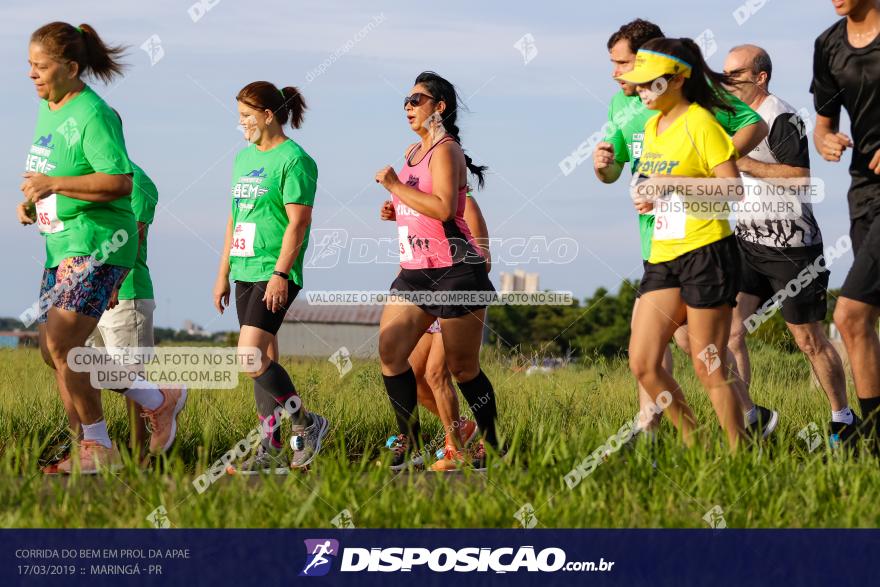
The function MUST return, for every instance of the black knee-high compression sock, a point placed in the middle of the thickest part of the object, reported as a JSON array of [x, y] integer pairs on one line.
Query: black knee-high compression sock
[[404, 398], [480, 397], [276, 385], [871, 414]]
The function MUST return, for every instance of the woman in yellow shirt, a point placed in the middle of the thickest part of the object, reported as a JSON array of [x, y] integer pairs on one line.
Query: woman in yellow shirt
[[693, 272]]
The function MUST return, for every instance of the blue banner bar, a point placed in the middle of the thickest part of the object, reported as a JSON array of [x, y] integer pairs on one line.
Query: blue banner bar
[[428, 557]]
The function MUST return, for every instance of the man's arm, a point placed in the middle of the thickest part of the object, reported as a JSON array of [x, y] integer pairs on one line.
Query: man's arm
[[748, 137], [829, 142], [759, 169], [606, 167], [790, 148]]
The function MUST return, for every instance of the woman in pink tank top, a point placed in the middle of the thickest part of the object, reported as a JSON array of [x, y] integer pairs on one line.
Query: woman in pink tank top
[[443, 272], [426, 242]]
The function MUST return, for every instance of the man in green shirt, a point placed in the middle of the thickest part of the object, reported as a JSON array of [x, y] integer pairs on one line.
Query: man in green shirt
[[623, 144], [128, 323]]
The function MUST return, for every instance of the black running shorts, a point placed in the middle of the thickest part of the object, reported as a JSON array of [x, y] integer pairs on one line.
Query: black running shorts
[[252, 310], [708, 277], [461, 277], [796, 271], [863, 280]]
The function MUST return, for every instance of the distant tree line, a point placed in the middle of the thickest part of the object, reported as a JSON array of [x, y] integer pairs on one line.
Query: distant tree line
[[598, 326]]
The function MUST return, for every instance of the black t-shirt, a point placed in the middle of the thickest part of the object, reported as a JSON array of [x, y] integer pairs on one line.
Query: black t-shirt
[[850, 77], [788, 142]]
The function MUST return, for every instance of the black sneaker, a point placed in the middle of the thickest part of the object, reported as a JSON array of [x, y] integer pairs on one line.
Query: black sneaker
[[843, 435], [478, 458], [764, 425], [404, 456]]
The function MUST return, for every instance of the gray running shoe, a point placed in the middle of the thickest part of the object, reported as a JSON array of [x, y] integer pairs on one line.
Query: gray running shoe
[[306, 440]]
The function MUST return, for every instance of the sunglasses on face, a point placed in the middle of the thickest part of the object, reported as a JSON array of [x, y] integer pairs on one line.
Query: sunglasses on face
[[416, 99]]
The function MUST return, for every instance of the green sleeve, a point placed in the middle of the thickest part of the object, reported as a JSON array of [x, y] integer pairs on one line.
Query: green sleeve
[[615, 137], [300, 182], [144, 196], [104, 145], [742, 116]]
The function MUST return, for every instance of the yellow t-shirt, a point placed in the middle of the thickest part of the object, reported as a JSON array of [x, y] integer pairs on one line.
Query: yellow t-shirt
[[692, 146]]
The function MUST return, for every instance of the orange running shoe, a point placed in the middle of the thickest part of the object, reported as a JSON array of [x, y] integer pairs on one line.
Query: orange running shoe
[[163, 420], [452, 460], [468, 432], [90, 457]]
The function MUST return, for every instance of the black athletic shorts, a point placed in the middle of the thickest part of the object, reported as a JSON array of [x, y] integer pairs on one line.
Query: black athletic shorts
[[252, 310], [708, 277], [863, 280], [766, 271], [461, 277]]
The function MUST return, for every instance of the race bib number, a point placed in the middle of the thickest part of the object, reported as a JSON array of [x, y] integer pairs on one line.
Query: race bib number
[[243, 239], [670, 218], [637, 139], [47, 215], [406, 252]]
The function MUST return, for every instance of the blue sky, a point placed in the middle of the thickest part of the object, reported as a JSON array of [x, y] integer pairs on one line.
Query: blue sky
[[180, 121]]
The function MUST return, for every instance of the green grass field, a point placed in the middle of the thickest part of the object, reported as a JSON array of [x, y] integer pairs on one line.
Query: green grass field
[[551, 422]]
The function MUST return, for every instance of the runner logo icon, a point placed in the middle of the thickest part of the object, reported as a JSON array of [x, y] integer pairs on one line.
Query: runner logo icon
[[320, 554]]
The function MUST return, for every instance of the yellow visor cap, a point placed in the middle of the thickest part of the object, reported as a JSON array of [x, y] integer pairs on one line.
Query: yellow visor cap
[[650, 65]]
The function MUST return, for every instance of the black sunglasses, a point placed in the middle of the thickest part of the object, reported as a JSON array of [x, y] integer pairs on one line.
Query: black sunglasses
[[416, 99]]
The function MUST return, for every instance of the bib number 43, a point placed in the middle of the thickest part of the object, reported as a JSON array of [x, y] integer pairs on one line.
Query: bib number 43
[[243, 236]]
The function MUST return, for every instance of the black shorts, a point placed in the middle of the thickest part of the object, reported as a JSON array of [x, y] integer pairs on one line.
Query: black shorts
[[708, 277], [252, 310], [863, 280], [766, 271], [457, 278]]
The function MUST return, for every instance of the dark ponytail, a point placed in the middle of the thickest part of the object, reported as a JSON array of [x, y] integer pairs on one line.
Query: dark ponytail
[[65, 42], [286, 103], [705, 86], [443, 90]]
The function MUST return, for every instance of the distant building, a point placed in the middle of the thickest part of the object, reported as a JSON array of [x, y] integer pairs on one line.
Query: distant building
[[320, 331], [519, 280], [506, 282], [193, 329], [531, 282]]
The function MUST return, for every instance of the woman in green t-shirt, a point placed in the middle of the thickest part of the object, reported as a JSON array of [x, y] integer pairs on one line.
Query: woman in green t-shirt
[[76, 186], [273, 190]]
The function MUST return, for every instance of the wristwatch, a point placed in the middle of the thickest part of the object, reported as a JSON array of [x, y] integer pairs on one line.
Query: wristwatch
[[280, 274]]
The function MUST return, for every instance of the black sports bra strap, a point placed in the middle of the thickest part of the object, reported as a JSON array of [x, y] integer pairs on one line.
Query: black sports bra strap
[[445, 139], [411, 152]]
